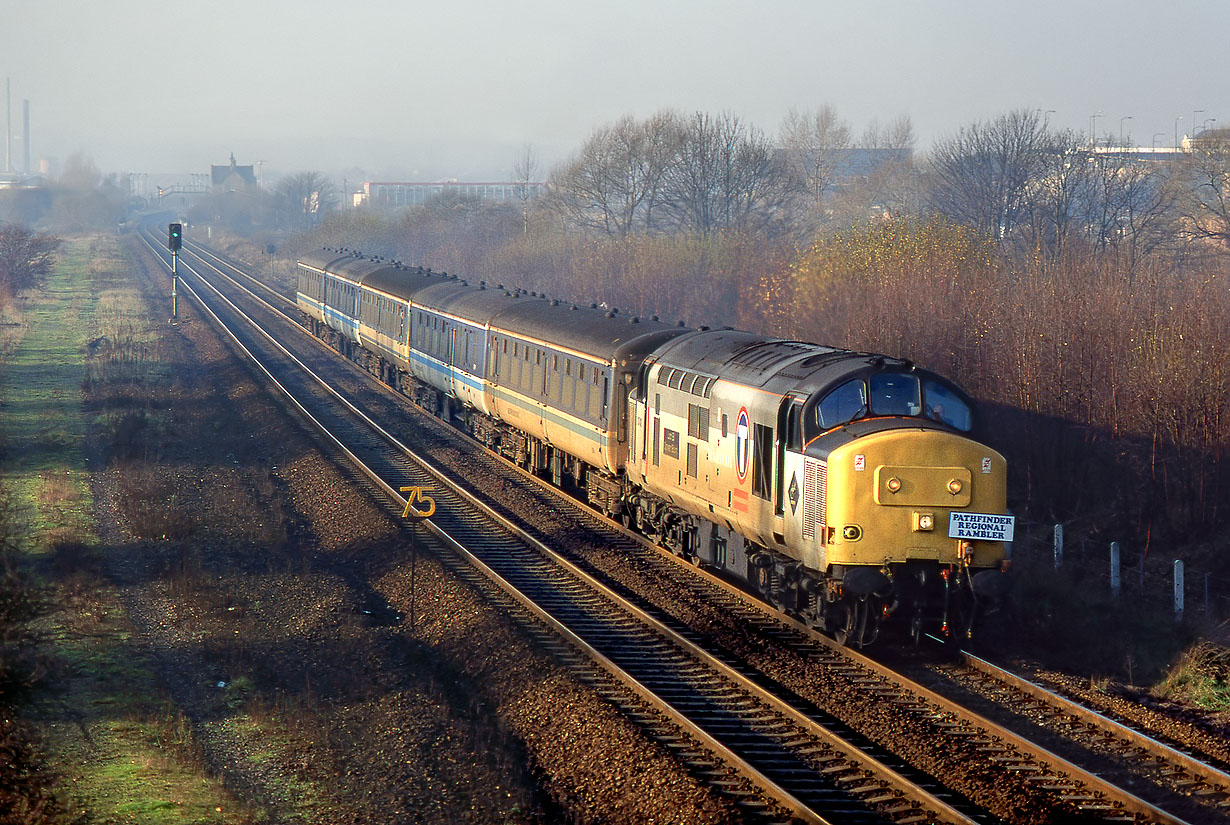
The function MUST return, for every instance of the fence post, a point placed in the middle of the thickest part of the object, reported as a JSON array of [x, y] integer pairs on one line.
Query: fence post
[[1058, 546], [1114, 568], [1178, 589]]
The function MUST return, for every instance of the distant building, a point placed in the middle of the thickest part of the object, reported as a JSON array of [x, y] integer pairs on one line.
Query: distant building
[[16, 180], [385, 195], [1209, 138], [231, 177]]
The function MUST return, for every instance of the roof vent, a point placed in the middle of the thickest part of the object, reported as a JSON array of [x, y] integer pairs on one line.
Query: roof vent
[[610, 315], [634, 320]]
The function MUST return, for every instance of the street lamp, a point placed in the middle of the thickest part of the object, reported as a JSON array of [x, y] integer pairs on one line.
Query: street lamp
[[1194, 121], [1126, 117], [1176, 132], [1093, 121], [1156, 135], [1207, 121]]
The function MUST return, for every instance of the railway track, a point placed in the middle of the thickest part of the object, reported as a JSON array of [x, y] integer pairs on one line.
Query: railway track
[[1145, 754], [776, 761], [700, 689]]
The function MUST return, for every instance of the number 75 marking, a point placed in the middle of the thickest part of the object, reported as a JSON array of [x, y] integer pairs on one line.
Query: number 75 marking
[[419, 493]]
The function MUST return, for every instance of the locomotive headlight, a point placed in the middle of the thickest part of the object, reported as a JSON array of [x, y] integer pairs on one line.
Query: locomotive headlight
[[893, 484], [955, 486], [924, 522]]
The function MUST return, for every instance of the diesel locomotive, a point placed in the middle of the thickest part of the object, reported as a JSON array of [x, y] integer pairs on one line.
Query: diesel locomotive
[[844, 488]]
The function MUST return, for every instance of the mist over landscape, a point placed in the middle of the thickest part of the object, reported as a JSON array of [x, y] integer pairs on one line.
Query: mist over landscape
[[424, 91], [803, 327]]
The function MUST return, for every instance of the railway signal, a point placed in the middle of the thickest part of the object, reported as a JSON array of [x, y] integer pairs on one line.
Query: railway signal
[[175, 242]]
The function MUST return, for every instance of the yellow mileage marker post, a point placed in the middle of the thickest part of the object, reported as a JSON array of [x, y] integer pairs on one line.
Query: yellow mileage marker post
[[416, 517]]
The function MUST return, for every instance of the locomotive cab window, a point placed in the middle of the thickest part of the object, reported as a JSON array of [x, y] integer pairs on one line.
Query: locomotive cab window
[[846, 403], [944, 405], [895, 393]]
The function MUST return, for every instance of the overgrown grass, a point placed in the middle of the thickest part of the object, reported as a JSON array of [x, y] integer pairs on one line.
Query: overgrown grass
[[120, 750], [1201, 677]]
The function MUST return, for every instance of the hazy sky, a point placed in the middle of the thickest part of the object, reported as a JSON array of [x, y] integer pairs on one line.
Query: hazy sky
[[453, 88]]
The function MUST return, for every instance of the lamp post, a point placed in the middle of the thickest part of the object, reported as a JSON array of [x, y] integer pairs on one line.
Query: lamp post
[[1156, 135], [1194, 121], [1126, 117], [1093, 125], [1205, 126], [1176, 132]]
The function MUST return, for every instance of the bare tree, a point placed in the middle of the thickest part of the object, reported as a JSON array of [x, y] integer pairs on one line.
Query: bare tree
[[1061, 195], [982, 176], [885, 182], [303, 197], [816, 148], [525, 172], [26, 257], [1206, 207], [726, 175], [603, 186]]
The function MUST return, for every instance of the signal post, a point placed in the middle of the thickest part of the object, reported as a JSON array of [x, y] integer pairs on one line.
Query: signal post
[[175, 240], [416, 516]]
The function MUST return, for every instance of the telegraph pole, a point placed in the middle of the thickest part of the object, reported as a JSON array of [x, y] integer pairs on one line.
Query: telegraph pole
[[175, 240]]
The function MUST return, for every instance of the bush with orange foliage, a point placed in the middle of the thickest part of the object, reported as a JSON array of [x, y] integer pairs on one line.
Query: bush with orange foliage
[[1110, 394]]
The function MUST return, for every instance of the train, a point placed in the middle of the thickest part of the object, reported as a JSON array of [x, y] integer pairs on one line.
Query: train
[[847, 489]]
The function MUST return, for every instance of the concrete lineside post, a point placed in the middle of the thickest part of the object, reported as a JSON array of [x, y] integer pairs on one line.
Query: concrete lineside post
[[1178, 589], [1114, 569], [1058, 546]]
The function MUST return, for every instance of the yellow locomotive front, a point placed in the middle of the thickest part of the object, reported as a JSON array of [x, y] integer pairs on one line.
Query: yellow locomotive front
[[918, 514], [914, 510]]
